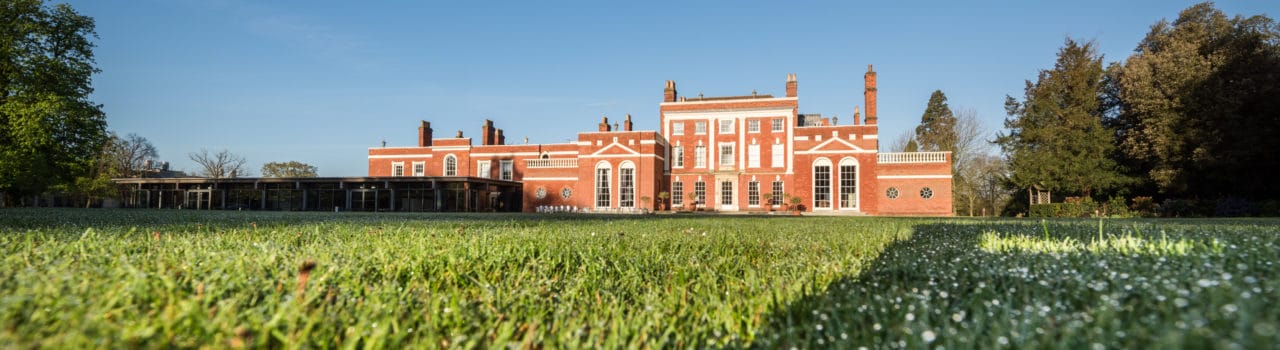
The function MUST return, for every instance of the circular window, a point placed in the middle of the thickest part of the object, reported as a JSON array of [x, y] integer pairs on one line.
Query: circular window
[[566, 192], [541, 193], [892, 193], [926, 193]]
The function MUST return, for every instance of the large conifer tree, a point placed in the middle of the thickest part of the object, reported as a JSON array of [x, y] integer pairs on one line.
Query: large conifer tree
[[937, 129], [1056, 140]]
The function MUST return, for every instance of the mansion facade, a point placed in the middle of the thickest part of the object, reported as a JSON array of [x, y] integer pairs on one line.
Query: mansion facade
[[729, 154]]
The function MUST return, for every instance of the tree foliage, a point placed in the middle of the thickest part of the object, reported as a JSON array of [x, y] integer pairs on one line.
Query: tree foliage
[[223, 164], [288, 169], [937, 129], [50, 131], [129, 155], [1056, 140], [1198, 103]]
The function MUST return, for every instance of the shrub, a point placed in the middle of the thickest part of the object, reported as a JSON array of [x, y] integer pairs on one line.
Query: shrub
[[1234, 206], [1175, 208], [1076, 208], [1145, 206], [1116, 207]]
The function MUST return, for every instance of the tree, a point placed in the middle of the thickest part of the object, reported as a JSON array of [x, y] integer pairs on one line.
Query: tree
[[223, 164], [50, 130], [937, 126], [1056, 139], [972, 145], [905, 142], [288, 169], [1197, 105], [129, 155]]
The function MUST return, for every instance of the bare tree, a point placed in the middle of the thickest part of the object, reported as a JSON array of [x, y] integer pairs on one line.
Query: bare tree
[[899, 144], [970, 160], [129, 155], [223, 164]]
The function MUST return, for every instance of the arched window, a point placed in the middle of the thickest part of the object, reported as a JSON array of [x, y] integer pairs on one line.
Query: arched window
[[848, 183], [627, 184], [602, 184], [822, 183], [450, 165]]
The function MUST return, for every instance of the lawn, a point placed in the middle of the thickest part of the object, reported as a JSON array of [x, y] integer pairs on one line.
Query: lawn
[[139, 278]]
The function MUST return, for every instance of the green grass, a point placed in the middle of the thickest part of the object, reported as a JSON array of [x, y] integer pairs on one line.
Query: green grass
[[138, 278]]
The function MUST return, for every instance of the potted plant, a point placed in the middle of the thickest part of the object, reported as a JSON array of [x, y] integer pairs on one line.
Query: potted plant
[[644, 201], [768, 201], [662, 200], [795, 204], [692, 203]]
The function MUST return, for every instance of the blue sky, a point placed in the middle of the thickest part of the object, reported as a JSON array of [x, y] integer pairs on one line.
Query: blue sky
[[322, 81]]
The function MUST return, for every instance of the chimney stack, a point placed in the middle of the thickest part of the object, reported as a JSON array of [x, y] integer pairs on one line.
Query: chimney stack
[[459, 133], [604, 124], [669, 94], [486, 133], [791, 85], [856, 115], [626, 124], [501, 140], [424, 134], [870, 95]]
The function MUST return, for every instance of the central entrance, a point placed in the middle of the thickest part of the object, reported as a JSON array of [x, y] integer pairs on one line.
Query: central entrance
[[726, 199]]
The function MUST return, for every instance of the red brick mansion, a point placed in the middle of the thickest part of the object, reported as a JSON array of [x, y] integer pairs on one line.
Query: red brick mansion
[[726, 154]]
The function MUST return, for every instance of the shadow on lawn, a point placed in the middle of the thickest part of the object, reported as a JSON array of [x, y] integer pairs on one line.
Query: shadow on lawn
[[940, 287]]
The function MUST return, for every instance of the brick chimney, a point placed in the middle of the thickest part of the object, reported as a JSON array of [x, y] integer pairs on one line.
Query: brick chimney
[[856, 116], [669, 94], [500, 140], [424, 134], [604, 124], [486, 133], [791, 85], [870, 95], [626, 124], [459, 133]]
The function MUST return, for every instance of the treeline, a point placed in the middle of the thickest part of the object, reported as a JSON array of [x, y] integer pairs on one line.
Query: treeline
[[1188, 125]]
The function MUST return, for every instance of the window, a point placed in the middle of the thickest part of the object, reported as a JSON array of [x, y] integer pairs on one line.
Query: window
[[566, 192], [926, 193], [507, 171], [483, 169], [822, 184], [777, 125], [678, 154], [892, 193], [776, 162], [753, 194], [397, 169], [700, 128], [726, 193], [777, 193], [848, 183], [602, 185], [700, 192], [753, 125], [627, 185], [450, 165], [419, 168], [542, 192], [677, 193], [700, 157], [726, 154], [726, 126], [753, 156], [677, 128]]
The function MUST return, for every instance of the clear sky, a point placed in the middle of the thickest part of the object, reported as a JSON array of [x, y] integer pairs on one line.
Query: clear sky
[[322, 81]]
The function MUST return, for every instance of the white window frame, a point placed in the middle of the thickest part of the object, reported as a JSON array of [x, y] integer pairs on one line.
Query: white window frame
[[677, 127], [726, 193], [450, 165], [700, 156], [484, 169], [779, 190], [678, 153], [753, 194], [506, 170], [753, 156], [779, 157], [419, 168], [602, 173], [627, 185], [726, 159], [840, 193], [700, 127], [753, 126], [777, 125], [822, 162], [397, 168], [677, 193], [700, 193], [726, 126]]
